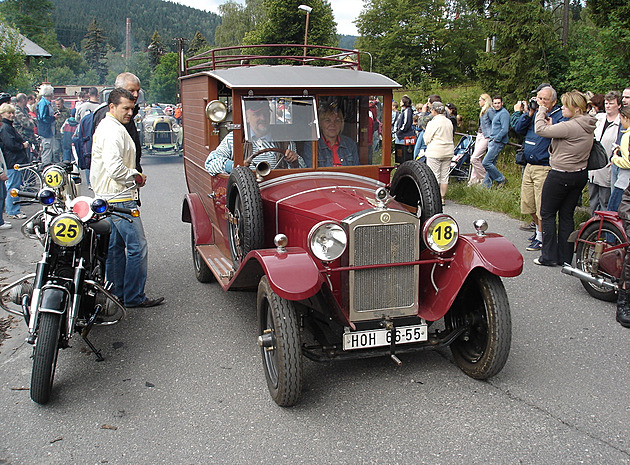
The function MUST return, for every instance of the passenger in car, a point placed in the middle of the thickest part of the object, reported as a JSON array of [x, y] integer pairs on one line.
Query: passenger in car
[[221, 160], [334, 149]]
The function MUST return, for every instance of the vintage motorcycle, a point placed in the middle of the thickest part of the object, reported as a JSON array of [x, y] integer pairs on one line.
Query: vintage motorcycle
[[68, 292], [600, 248]]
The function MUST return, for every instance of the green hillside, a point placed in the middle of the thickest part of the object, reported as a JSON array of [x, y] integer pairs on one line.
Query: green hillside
[[71, 19]]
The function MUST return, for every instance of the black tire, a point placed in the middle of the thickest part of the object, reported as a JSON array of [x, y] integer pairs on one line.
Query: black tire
[[31, 181], [482, 306], [202, 272], [45, 357], [414, 184], [245, 227], [584, 256], [278, 321]]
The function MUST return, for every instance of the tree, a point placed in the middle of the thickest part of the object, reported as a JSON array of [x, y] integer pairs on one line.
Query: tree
[[284, 23], [94, 49], [237, 20], [12, 68], [414, 41], [164, 80], [526, 47], [32, 17], [198, 45], [156, 49]]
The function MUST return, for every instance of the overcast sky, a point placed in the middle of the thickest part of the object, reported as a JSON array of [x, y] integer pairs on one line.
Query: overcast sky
[[345, 11]]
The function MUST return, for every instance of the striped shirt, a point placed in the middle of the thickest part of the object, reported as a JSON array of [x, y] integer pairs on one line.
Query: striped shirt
[[215, 163]]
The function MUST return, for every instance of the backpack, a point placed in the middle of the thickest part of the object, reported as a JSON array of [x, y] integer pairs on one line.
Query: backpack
[[82, 140]]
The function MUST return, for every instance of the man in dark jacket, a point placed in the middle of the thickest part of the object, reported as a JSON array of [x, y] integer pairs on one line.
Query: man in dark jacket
[[537, 155], [130, 82]]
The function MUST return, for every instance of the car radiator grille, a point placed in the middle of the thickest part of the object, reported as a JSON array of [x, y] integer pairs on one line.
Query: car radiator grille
[[387, 287], [162, 133]]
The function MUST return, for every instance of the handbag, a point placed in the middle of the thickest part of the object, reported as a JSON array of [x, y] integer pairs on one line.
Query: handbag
[[519, 157], [598, 157]]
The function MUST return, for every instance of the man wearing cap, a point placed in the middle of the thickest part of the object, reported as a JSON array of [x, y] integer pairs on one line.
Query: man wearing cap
[[259, 137], [537, 155]]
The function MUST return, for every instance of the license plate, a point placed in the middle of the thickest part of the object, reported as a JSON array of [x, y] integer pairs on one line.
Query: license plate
[[382, 337]]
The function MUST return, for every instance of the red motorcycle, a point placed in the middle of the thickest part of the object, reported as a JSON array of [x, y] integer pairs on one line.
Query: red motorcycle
[[600, 247]]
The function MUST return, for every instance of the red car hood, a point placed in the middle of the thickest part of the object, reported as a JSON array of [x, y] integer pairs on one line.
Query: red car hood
[[321, 195]]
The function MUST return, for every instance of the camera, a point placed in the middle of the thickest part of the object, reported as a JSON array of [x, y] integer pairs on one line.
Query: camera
[[533, 104]]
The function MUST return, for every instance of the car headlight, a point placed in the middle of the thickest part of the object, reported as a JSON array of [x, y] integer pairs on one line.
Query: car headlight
[[440, 233], [53, 176], [66, 230], [216, 111], [327, 241]]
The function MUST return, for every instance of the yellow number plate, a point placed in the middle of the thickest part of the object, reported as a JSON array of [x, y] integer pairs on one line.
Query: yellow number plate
[[67, 230]]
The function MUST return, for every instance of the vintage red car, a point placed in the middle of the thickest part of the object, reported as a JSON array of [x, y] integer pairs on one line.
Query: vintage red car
[[348, 261]]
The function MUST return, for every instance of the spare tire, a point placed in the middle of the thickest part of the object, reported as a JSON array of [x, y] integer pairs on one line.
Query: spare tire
[[245, 224], [415, 185]]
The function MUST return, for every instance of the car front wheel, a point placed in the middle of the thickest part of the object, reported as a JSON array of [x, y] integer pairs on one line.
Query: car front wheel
[[280, 345], [482, 308]]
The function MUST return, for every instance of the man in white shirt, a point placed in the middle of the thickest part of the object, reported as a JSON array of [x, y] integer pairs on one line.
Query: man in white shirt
[[113, 165]]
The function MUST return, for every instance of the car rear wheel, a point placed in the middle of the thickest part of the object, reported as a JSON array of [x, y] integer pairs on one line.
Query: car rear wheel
[[482, 308], [584, 255], [280, 345], [202, 272], [414, 184], [245, 221]]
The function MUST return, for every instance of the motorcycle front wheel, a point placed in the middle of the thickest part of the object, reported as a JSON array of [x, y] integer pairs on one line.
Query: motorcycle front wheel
[[45, 357]]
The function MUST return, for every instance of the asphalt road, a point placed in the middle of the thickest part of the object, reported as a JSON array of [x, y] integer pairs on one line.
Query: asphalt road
[[183, 383]]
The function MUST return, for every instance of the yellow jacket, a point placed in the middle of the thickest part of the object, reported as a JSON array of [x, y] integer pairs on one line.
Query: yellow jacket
[[622, 160]]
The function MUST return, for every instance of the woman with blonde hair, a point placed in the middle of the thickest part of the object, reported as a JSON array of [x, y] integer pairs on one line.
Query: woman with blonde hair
[[477, 171], [571, 143]]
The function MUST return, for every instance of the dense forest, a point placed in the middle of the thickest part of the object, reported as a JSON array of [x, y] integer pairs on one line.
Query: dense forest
[[71, 19]]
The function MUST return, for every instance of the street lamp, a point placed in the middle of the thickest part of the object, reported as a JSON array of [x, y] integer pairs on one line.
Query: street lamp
[[308, 10]]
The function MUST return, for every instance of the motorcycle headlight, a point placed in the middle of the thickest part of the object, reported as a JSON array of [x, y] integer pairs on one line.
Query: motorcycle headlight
[[99, 206], [440, 233], [66, 230], [216, 111], [327, 241], [46, 197], [54, 177]]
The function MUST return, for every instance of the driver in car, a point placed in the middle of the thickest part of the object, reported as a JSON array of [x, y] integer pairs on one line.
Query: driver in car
[[260, 136]]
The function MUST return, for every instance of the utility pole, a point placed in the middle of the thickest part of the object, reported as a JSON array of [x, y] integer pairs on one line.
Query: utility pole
[[128, 42], [180, 54]]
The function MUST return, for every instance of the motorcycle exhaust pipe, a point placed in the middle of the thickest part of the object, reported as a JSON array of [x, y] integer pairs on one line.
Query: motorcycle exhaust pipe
[[566, 269]]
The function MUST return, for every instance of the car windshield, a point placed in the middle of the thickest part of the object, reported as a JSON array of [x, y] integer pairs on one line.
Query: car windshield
[[155, 112], [281, 118]]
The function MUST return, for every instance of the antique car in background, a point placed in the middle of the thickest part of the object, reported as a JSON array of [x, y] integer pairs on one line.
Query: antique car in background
[[347, 261], [160, 132]]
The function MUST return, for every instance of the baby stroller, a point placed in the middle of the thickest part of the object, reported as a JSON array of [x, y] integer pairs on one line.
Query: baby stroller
[[460, 164]]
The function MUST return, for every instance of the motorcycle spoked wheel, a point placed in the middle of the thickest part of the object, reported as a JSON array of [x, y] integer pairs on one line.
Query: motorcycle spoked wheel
[[584, 256], [45, 357]]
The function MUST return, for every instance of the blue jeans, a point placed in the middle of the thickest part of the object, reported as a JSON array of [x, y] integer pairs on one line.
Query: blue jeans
[[127, 259], [14, 182], [615, 199], [3, 196], [490, 164]]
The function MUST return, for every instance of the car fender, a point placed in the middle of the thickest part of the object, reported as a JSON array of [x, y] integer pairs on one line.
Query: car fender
[[442, 281], [193, 212], [292, 274]]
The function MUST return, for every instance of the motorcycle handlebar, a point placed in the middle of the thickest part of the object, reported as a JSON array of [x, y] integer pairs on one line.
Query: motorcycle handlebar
[[128, 211], [25, 194]]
